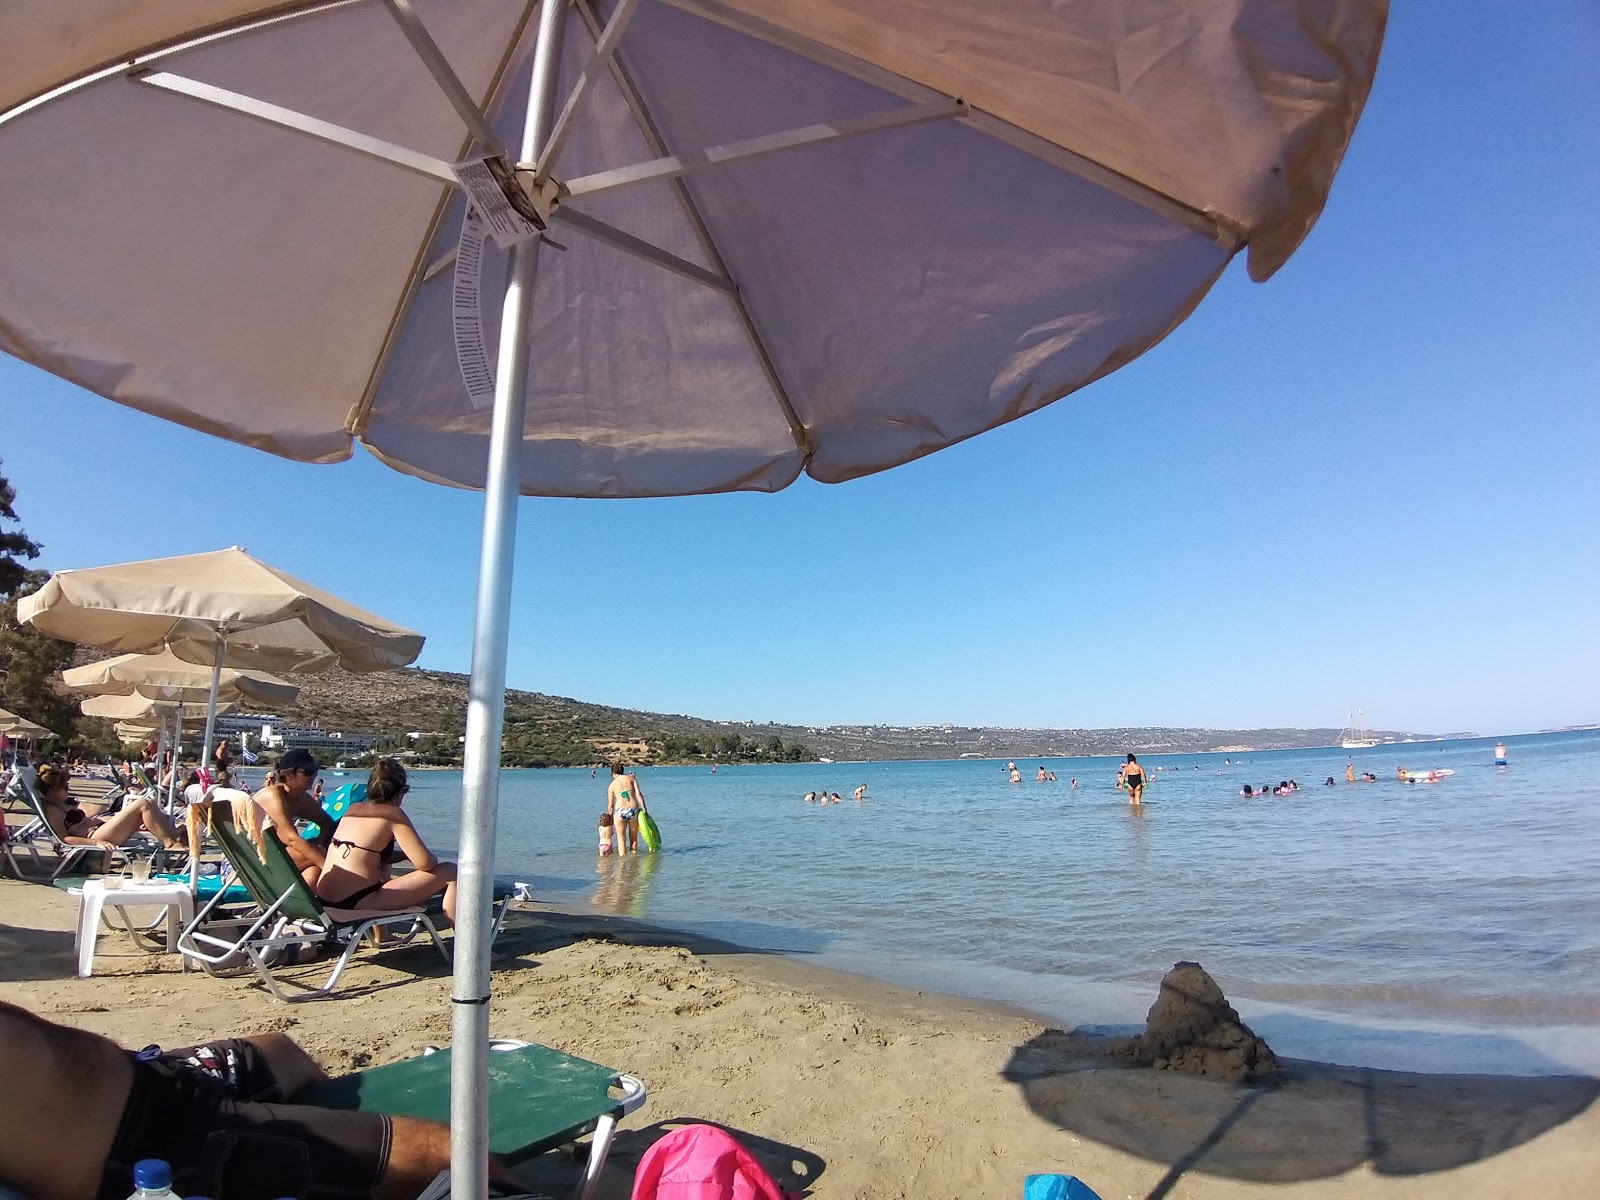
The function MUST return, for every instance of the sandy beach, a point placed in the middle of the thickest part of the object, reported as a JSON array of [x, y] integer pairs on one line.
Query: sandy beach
[[845, 1087]]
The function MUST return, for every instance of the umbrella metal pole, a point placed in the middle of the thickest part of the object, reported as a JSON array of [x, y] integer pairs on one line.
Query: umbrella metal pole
[[211, 702], [469, 996], [177, 749]]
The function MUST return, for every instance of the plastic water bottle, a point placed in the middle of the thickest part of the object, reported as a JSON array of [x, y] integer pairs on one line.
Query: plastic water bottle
[[152, 1180]]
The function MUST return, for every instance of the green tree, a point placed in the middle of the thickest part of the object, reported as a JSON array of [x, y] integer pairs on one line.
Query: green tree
[[14, 544], [28, 659]]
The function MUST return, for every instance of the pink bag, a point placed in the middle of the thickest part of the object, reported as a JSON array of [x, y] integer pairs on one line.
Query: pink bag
[[702, 1162]]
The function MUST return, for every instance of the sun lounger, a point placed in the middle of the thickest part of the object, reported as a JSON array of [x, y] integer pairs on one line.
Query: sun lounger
[[287, 918], [539, 1099], [37, 835]]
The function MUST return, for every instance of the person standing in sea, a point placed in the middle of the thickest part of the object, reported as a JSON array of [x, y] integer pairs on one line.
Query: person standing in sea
[[625, 801], [1132, 777]]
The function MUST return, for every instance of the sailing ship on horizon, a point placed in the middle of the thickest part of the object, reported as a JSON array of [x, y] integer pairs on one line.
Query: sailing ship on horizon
[[1356, 735]]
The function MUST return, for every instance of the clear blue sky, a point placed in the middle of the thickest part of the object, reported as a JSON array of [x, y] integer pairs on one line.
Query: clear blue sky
[[1374, 480]]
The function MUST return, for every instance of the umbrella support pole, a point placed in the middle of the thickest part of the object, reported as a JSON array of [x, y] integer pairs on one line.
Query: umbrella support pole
[[486, 697], [211, 702]]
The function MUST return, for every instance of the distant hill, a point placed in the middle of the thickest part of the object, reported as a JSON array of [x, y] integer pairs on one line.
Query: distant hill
[[548, 730]]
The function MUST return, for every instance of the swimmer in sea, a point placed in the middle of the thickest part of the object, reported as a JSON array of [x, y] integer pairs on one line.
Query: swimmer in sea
[[1043, 775], [861, 792], [1499, 754], [625, 801], [1132, 777], [1350, 771]]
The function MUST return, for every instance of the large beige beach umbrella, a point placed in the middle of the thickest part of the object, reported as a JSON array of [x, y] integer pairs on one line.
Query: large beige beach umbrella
[[711, 244], [222, 608]]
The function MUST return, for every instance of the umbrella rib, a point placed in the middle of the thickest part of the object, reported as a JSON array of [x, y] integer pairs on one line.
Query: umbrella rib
[[674, 166], [286, 118], [605, 47], [361, 411], [131, 62], [631, 96], [444, 75], [1223, 228], [611, 235]]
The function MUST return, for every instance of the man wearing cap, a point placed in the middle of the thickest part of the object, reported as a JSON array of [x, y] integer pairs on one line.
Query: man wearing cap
[[289, 800]]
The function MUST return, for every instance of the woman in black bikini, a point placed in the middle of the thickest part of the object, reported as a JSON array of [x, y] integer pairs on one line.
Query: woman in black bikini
[[1132, 778], [76, 827], [370, 836]]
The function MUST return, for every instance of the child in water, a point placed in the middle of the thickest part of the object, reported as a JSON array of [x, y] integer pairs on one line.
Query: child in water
[[607, 832]]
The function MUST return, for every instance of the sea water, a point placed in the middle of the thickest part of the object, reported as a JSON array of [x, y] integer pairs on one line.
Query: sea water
[[1448, 927]]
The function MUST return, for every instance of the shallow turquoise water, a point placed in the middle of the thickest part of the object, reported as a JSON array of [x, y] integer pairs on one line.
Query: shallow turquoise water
[[1450, 926]]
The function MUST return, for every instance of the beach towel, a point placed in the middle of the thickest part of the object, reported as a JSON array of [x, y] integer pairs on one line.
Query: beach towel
[[702, 1162]]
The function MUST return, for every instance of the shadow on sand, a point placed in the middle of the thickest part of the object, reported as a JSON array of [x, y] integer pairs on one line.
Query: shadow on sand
[[535, 929], [35, 954], [1318, 1121]]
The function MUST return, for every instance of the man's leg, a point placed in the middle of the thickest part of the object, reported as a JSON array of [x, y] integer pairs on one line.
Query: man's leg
[[60, 1111], [291, 1066], [420, 1150]]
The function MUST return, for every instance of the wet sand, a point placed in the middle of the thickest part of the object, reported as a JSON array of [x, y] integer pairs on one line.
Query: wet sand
[[846, 1087]]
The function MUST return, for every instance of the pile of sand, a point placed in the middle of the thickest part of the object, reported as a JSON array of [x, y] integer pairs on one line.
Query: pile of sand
[[1192, 1028]]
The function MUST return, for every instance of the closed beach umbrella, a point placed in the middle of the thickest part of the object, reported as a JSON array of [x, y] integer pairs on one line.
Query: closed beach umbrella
[[222, 608], [828, 237]]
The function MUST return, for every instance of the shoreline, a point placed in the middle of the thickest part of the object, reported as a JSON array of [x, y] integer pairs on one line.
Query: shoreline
[[847, 1086]]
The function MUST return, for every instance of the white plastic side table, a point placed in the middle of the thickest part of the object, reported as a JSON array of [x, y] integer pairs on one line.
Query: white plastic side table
[[174, 898]]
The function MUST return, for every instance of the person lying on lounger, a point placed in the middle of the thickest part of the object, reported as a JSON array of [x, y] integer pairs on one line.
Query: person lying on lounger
[[221, 1115], [371, 835], [77, 828]]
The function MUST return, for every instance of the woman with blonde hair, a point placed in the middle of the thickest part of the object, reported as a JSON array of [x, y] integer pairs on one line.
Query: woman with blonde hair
[[370, 836]]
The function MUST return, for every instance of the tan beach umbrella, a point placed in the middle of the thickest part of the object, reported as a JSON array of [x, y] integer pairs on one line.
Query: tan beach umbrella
[[165, 676], [143, 708], [14, 726], [264, 618], [222, 608], [819, 236]]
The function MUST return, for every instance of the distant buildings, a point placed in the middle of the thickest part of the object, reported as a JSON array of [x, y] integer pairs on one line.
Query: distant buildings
[[271, 732]]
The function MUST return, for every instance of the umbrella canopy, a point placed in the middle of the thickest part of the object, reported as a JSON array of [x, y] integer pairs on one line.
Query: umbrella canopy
[[146, 708], [1036, 193], [136, 731], [266, 618], [165, 676], [788, 236], [14, 726]]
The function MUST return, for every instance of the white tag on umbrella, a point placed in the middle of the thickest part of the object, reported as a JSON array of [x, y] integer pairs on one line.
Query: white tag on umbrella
[[466, 314], [506, 209]]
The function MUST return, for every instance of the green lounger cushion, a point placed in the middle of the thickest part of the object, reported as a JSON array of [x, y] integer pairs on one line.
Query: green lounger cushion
[[539, 1098]]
